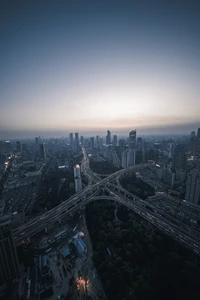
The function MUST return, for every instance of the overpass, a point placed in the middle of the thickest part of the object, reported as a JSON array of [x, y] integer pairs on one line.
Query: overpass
[[67, 207], [168, 224]]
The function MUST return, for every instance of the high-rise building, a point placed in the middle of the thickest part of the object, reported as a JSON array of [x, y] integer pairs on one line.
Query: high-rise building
[[92, 142], [132, 139], [82, 140], [97, 141], [193, 140], [181, 148], [9, 266], [131, 158], [138, 157], [198, 143], [179, 161], [76, 138], [139, 143], [43, 151], [5, 147], [71, 139], [114, 140], [77, 178], [101, 142], [36, 140], [122, 143], [108, 137], [193, 187], [198, 133], [124, 158], [18, 146]]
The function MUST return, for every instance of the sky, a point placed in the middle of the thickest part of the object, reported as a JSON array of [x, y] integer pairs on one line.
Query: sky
[[89, 66]]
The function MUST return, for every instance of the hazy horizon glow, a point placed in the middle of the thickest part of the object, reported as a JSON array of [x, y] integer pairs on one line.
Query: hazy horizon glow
[[99, 65]]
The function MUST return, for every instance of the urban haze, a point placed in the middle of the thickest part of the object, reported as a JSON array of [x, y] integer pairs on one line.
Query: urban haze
[[100, 150]]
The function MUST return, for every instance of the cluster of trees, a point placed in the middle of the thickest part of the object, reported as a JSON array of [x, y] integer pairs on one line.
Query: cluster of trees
[[137, 186], [136, 261], [103, 167]]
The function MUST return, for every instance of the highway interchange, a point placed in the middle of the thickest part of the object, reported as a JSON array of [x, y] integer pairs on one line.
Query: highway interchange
[[158, 217]]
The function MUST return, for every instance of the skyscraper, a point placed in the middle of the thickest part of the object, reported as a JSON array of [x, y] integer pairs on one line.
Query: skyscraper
[[138, 157], [193, 187], [5, 147], [193, 143], [9, 266], [43, 151], [92, 142], [71, 139], [131, 158], [77, 178], [76, 138], [198, 143], [139, 143], [97, 141], [124, 158], [114, 140], [132, 139], [82, 140], [122, 143], [101, 142], [108, 137]]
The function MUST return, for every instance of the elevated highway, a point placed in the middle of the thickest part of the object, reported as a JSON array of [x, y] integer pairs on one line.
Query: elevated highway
[[158, 218]]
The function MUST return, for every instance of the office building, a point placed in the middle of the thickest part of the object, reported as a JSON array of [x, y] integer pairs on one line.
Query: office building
[[114, 143], [131, 158], [132, 139], [108, 137], [92, 142], [198, 143], [77, 178], [9, 266], [151, 155], [193, 140], [181, 148], [43, 151], [71, 139], [5, 147], [179, 161], [138, 157], [122, 143], [193, 187], [101, 142], [139, 143], [97, 141], [76, 138], [82, 140], [124, 158]]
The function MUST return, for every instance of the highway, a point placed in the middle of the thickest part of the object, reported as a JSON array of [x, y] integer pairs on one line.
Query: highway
[[69, 206], [156, 216]]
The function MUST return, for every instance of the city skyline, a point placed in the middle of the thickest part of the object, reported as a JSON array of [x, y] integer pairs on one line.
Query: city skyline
[[96, 66]]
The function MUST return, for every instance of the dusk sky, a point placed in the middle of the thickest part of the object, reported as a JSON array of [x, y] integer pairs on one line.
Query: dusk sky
[[89, 66]]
